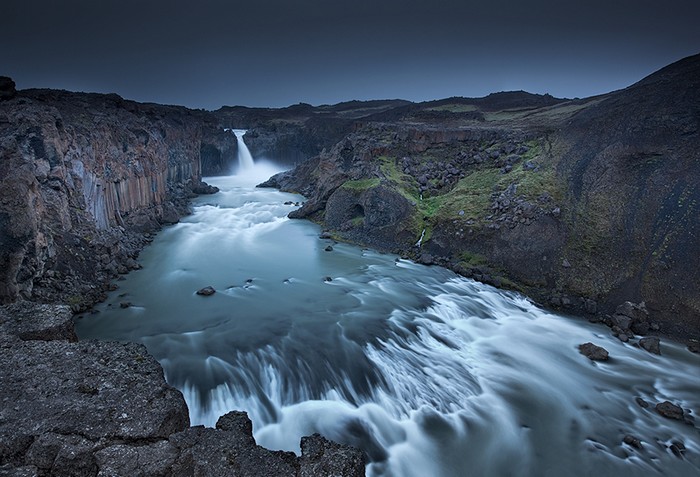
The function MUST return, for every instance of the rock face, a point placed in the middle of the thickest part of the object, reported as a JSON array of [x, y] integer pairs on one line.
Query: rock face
[[582, 204], [83, 177], [104, 409]]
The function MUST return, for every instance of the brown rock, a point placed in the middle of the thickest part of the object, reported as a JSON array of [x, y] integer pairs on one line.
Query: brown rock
[[206, 291], [669, 410], [593, 352]]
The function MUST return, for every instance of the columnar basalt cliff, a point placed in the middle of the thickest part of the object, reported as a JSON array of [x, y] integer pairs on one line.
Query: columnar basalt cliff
[[83, 178], [582, 204]]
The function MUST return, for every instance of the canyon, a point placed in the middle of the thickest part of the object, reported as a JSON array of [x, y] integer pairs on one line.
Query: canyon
[[584, 205]]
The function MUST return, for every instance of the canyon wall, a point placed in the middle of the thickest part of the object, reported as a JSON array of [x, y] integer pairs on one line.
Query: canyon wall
[[84, 178], [581, 204]]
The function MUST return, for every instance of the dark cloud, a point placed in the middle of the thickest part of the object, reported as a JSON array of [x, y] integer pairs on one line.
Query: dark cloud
[[274, 52]]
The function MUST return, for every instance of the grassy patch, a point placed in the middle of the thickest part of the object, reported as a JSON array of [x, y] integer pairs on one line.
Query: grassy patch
[[361, 184]]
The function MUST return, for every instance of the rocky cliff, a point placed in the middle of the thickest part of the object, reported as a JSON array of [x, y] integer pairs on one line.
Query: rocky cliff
[[583, 204], [84, 178]]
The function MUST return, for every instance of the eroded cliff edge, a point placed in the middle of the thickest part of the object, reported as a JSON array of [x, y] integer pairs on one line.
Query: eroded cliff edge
[[582, 204]]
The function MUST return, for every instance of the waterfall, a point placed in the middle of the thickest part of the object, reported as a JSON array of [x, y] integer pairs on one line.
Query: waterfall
[[245, 158]]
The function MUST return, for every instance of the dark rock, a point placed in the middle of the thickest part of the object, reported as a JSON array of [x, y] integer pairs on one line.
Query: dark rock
[[327, 279], [62, 455], [694, 346], [323, 458], [81, 393], [229, 451], [328, 249], [206, 291], [124, 304], [651, 344], [593, 352], [678, 448], [630, 316], [33, 321], [641, 402], [591, 306], [203, 188], [669, 410], [151, 460], [632, 441], [7, 88], [325, 235]]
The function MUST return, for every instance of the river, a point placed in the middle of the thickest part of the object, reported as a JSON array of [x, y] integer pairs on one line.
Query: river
[[430, 373]]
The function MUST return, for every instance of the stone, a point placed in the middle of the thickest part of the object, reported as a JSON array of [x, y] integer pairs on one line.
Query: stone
[[77, 394], [641, 402], [34, 321], [632, 441], [651, 344], [216, 452], [206, 291], [694, 346], [678, 448], [669, 410], [152, 460], [323, 458], [593, 352], [328, 248]]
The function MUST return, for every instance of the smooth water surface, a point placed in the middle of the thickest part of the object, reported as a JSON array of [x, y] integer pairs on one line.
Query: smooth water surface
[[430, 373]]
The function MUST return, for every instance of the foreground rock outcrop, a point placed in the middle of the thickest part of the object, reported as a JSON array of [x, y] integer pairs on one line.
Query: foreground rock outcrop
[[103, 408], [581, 204]]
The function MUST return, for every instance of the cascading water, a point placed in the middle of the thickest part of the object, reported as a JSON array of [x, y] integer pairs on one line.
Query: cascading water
[[430, 373], [245, 158]]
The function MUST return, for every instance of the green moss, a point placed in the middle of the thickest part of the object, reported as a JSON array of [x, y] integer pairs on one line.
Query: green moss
[[468, 259], [361, 184]]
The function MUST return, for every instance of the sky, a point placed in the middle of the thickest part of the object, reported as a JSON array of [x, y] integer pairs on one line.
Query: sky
[[274, 53]]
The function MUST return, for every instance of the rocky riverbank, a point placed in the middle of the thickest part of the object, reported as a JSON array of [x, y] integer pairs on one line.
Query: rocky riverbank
[[103, 408], [581, 204]]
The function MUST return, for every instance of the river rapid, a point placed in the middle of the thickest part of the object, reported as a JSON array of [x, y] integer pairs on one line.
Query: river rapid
[[430, 373]]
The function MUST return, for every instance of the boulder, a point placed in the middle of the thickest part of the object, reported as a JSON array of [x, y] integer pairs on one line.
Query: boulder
[[206, 291], [593, 352], [651, 344], [669, 410]]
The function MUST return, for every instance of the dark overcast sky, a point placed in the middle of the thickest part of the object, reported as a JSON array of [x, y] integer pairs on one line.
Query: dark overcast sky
[[209, 53]]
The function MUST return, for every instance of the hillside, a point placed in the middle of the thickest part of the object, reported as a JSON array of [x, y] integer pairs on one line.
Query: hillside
[[583, 204]]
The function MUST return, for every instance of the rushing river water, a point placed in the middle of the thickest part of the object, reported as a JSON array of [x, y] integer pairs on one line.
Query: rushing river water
[[430, 373]]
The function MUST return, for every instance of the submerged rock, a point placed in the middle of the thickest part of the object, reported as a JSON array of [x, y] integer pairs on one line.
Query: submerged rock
[[593, 352], [632, 441], [206, 291]]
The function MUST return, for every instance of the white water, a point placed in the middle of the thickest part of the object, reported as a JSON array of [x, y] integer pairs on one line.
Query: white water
[[430, 373], [245, 158]]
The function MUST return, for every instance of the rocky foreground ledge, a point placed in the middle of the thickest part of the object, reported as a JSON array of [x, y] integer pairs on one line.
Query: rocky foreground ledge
[[103, 408]]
